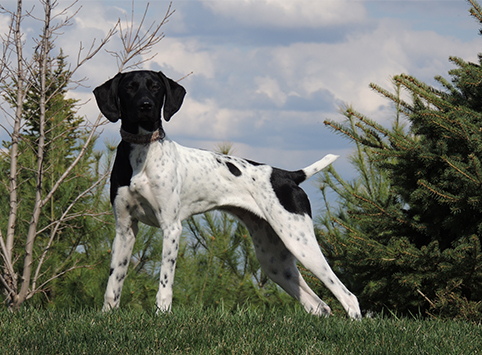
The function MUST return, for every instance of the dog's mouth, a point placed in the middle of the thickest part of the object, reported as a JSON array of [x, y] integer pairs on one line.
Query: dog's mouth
[[150, 116], [147, 111]]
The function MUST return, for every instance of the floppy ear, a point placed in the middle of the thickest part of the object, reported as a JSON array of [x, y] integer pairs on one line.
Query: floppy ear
[[107, 98], [174, 95]]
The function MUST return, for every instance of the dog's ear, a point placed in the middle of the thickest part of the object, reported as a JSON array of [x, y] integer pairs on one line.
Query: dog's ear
[[174, 95], [107, 98]]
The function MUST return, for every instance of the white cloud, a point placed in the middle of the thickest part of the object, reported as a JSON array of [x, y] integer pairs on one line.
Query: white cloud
[[4, 23], [236, 94], [185, 56], [204, 119], [345, 69], [289, 13], [252, 93], [270, 87], [94, 16]]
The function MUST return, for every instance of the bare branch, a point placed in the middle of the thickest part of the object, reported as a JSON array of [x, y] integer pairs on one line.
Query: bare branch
[[40, 288], [74, 163], [94, 50], [7, 287], [60, 220], [135, 43], [7, 262], [45, 49], [186, 76], [13, 204]]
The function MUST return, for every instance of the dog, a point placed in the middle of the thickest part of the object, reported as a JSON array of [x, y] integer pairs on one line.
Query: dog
[[160, 183]]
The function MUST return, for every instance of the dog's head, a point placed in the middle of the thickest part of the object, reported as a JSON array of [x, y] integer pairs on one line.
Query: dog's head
[[137, 98]]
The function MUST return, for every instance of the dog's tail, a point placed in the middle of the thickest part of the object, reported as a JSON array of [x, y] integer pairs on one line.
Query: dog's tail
[[299, 176], [319, 165]]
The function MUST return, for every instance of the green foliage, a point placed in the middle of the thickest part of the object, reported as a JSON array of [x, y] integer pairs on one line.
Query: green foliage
[[218, 267], [71, 230], [243, 331], [408, 231]]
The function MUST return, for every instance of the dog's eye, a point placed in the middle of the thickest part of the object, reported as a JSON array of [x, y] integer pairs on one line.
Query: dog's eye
[[131, 86], [155, 87]]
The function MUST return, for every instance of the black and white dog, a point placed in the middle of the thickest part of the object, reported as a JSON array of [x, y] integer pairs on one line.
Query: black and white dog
[[160, 183]]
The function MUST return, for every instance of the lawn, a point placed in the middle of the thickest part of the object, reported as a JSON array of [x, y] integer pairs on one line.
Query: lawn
[[188, 331]]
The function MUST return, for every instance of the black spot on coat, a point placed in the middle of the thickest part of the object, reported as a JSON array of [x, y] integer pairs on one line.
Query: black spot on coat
[[233, 169]]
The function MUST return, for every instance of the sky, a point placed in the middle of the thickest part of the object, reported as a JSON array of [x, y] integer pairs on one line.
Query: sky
[[267, 73]]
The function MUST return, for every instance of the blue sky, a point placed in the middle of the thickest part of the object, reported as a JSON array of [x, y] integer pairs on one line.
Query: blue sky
[[267, 73]]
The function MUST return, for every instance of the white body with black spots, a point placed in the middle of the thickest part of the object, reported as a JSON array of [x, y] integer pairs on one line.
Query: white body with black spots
[[160, 183]]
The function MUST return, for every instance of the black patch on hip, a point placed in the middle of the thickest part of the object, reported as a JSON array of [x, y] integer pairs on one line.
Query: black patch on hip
[[289, 194]]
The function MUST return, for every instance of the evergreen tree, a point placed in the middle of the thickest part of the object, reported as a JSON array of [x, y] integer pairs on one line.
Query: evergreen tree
[[407, 234], [67, 239]]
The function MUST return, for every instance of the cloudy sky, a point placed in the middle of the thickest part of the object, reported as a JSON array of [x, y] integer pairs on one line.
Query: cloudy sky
[[267, 73]]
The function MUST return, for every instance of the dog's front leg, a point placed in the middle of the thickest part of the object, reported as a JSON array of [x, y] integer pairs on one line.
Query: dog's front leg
[[126, 231], [170, 248]]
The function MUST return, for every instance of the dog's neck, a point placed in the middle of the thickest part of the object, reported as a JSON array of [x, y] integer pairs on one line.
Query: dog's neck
[[143, 137]]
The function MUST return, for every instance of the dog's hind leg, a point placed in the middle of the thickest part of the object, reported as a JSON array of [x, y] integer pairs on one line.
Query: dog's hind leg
[[290, 239], [299, 238], [279, 264]]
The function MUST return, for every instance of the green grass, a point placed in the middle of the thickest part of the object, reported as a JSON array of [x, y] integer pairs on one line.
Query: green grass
[[216, 332]]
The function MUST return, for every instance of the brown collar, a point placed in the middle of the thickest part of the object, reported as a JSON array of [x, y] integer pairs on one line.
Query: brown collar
[[142, 138]]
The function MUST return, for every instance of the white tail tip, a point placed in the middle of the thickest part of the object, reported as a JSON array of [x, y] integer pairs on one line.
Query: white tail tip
[[319, 165]]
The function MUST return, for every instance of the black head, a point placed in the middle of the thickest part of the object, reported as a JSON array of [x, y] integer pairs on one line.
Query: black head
[[137, 98]]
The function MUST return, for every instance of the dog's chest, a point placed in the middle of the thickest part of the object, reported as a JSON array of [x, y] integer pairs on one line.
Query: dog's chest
[[152, 166], [153, 176]]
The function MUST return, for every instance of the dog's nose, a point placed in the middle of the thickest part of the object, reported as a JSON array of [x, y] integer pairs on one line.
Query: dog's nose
[[145, 106]]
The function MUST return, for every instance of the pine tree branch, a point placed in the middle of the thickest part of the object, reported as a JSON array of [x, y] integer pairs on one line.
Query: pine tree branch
[[378, 207], [476, 11], [368, 122], [41, 287], [434, 191], [445, 159], [408, 109], [338, 128], [477, 166]]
